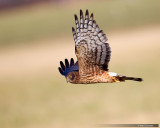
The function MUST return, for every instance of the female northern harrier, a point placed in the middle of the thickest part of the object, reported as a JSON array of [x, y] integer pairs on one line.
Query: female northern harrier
[[93, 55]]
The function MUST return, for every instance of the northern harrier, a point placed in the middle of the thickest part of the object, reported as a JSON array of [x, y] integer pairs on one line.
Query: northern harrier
[[93, 55]]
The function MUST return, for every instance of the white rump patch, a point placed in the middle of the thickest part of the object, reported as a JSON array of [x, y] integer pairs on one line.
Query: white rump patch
[[113, 74]]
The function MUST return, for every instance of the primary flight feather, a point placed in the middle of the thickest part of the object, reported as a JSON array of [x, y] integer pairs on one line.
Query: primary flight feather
[[93, 55]]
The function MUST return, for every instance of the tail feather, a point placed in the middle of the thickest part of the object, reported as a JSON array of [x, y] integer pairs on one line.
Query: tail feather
[[123, 78], [135, 79]]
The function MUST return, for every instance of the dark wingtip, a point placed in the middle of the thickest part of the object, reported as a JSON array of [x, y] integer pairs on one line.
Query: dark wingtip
[[73, 30], [81, 12], [62, 65], [60, 70], [71, 62], [87, 13], [94, 22], [66, 63], [91, 15], [75, 16], [101, 31]]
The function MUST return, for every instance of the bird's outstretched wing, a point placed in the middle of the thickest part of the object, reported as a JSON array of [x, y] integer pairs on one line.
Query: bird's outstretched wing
[[65, 69], [91, 48]]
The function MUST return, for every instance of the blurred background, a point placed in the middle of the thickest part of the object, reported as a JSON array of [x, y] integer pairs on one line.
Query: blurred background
[[36, 34]]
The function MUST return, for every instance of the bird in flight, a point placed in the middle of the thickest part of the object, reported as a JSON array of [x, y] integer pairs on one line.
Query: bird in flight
[[93, 55]]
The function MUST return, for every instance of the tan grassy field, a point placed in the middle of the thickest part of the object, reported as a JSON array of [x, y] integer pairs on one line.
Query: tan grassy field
[[34, 95], [26, 25], [34, 39]]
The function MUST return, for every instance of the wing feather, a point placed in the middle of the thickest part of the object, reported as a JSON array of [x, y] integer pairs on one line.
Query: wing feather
[[66, 63], [91, 47], [62, 65], [71, 62], [65, 69]]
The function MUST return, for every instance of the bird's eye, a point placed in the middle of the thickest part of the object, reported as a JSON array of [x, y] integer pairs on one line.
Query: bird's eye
[[72, 77]]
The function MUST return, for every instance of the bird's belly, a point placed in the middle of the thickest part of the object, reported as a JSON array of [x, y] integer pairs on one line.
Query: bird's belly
[[101, 78]]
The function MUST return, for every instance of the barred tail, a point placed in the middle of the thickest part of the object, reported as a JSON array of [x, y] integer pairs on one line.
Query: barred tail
[[123, 78]]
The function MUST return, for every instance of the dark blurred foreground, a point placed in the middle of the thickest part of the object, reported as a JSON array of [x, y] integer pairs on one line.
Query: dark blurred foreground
[[7, 4]]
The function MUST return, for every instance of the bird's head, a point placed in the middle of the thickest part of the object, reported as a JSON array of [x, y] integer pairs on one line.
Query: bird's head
[[70, 71], [72, 77]]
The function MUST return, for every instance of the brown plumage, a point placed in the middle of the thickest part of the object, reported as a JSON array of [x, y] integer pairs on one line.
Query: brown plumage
[[93, 55]]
